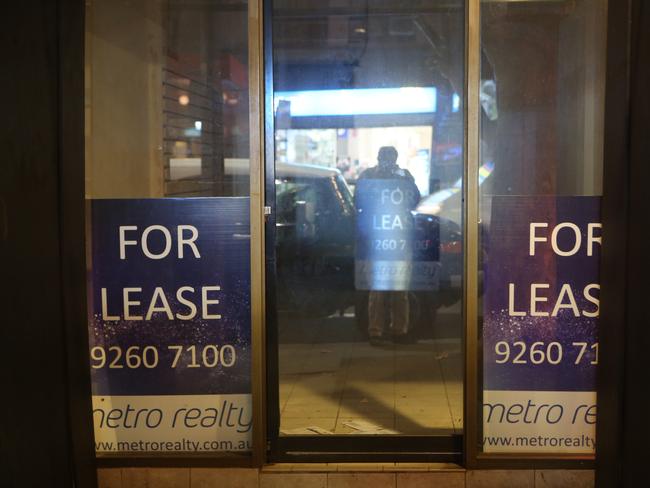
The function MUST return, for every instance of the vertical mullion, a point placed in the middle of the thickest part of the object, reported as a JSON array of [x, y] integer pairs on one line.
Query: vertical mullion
[[470, 227], [256, 126]]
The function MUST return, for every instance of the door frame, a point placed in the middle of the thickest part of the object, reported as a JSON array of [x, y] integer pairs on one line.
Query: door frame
[[335, 448]]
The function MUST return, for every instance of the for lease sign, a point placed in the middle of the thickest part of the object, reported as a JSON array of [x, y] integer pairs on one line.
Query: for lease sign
[[540, 313], [395, 249], [170, 324]]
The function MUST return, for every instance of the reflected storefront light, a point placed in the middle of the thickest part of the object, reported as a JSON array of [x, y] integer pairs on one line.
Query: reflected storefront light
[[359, 101]]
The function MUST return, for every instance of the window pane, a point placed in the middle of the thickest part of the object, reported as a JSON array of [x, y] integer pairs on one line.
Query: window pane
[[542, 112], [169, 280], [166, 99], [368, 167]]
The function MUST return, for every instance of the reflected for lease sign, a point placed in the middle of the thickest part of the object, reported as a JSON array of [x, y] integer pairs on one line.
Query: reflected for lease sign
[[395, 248]]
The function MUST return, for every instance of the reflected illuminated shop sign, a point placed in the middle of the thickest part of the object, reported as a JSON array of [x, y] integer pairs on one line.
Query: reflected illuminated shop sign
[[359, 101]]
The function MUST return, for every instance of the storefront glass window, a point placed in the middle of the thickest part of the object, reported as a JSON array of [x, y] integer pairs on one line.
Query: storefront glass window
[[167, 141], [542, 115]]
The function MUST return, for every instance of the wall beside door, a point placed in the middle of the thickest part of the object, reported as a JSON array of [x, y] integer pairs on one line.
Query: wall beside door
[[623, 423], [45, 435]]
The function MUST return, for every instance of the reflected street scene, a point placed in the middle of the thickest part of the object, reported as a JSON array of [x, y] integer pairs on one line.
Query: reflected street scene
[[368, 185]]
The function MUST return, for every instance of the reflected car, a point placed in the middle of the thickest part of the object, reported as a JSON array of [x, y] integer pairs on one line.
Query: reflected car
[[314, 240]]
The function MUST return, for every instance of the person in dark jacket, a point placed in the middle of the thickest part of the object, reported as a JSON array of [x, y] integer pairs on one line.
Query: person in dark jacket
[[387, 174]]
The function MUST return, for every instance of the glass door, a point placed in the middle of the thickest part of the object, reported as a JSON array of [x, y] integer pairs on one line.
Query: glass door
[[364, 240]]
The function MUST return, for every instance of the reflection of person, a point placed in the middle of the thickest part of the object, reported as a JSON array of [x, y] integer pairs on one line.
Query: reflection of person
[[397, 302]]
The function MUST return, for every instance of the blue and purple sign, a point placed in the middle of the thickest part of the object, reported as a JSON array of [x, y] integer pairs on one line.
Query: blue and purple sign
[[170, 325], [396, 249], [540, 318]]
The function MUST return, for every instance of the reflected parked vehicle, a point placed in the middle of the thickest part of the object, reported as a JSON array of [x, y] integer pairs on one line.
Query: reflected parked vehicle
[[315, 239]]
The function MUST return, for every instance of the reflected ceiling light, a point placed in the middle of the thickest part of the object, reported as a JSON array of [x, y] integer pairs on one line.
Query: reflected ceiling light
[[455, 103], [359, 101], [184, 100]]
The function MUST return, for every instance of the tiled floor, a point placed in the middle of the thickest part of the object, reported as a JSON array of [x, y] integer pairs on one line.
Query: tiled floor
[[341, 476], [353, 388]]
